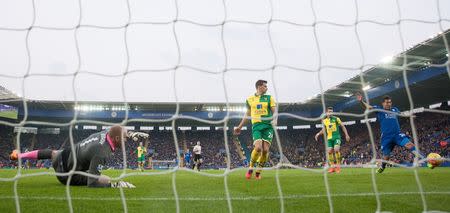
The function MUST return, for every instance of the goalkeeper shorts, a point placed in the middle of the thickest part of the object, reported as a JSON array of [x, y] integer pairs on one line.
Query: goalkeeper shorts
[[60, 166]]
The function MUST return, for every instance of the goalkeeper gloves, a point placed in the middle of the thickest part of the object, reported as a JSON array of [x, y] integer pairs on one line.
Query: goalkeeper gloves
[[122, 184], [137, 135]]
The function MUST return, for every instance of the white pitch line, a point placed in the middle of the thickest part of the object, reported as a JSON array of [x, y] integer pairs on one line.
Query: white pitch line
[[293, 197]]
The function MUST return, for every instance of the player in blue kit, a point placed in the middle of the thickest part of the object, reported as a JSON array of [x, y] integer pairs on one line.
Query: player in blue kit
[[390, 129], [187, 158]]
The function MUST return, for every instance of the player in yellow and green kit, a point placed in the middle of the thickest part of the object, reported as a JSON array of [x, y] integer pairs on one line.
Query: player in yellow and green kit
[[332, 124], [261, 108], [141, 150]]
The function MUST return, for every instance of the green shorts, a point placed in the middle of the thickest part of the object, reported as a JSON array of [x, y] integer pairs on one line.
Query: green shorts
[[141, 159], [334, 141], [262, 131]]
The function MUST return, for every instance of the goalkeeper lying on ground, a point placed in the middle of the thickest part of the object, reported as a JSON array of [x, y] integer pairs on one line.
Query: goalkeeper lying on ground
[[90, 153]]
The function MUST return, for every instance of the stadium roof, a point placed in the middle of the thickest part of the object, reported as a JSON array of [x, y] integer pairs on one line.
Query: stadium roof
[[425, 54], [431, 53]]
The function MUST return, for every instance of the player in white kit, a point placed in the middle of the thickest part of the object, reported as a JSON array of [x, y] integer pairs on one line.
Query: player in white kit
[[197, 156]]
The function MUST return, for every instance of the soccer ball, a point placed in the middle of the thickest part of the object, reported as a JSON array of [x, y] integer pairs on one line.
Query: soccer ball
[[434, 160], [135, 139]]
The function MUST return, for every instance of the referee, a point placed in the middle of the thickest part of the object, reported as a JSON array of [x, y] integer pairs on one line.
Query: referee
[[197, 156]]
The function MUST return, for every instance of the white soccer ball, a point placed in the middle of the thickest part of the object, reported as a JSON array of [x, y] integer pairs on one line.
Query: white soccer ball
[[135, 139]]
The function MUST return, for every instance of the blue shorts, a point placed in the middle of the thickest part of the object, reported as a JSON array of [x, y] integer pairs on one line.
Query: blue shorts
[[389, 141]]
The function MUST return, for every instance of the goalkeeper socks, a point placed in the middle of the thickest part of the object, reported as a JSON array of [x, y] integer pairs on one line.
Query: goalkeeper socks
[[254, 158], [33, 155], [331, 159], [37, 154], [338, 158]]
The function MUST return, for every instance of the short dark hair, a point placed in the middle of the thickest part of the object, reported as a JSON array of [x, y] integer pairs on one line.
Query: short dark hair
[[329, 108], [386, 97], [260, 83]]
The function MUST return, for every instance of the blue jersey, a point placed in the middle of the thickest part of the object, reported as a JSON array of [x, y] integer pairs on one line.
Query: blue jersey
[[187, 157], [388, 121]]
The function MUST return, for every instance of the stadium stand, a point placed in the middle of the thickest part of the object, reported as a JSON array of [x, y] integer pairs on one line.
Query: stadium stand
[[298, 145]]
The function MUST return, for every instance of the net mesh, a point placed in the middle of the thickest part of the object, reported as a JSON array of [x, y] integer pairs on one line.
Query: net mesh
[[178, 65]]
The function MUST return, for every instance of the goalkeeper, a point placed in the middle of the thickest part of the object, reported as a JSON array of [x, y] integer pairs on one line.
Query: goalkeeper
[[89, 154]]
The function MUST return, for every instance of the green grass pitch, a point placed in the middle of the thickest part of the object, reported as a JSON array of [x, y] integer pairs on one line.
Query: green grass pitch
[[303, 191], [9, 114]]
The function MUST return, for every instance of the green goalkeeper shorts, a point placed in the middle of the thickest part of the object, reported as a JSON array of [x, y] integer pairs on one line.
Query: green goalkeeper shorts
[[262, 131], [141, 159], [334, 141]]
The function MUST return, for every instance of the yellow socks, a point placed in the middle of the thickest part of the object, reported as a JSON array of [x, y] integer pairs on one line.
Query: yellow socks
[[338, 158], [331, 159], [254, 158], [262, 161]]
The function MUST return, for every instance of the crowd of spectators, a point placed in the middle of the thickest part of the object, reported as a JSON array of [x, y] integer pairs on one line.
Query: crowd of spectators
[[298, 145]]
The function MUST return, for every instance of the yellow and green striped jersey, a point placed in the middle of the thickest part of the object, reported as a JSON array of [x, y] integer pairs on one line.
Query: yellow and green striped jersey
[[140, 151], [260, 107], [332, 124]]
